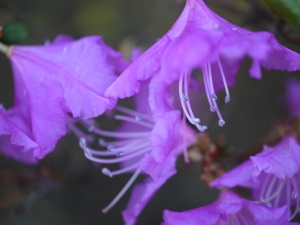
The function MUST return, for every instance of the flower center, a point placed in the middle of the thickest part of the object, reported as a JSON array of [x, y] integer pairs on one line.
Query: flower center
[[210, 93], [130, 145], [277, 192]]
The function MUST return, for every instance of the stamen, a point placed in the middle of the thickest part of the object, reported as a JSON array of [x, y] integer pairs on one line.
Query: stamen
[[184, 97], [186, 82], [227, 98], [111, 148], [91, 128], [207, 78], [133, 113], [120, 159], [264, 186], [295, 197], [138, 118], [109, 173], [221, 123], [288, 193], [185, 151], [134, 120], [121, 134], [75, 130], [186, 106], [270, 188], [122, 192], [211, 84], [113, 144], [269, 197]]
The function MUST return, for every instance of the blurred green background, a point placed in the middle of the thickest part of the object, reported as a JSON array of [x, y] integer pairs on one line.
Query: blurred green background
[[84, 190]]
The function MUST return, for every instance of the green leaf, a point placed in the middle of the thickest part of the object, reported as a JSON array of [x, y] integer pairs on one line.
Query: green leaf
[[13, 33], [288, 10]]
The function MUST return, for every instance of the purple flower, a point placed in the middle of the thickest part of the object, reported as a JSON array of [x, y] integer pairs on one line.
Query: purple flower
[[202, 40], [292, 98], [229, 209], [273, 175], [143, 145], [55, 79]]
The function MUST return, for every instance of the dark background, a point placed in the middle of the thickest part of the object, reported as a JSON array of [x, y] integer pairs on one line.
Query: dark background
[[255, 108]]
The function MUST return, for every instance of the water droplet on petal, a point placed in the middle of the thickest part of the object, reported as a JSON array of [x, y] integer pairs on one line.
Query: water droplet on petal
[[217, 26], [214, 97], [227, 99], [221, 123], [91, 128], [119, 154], [110, 148], [212, 109], [106, 172]]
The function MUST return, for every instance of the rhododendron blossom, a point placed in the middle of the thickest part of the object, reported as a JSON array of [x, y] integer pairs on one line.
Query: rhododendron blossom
[[229, 209], [143, 145], [273, 175], [62, 77], [200, 39]]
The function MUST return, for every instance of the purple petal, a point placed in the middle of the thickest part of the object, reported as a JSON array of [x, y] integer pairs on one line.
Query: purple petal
[[142, 69], [239, 176], [281, 161], [86, 62], [37, 102], [162, 135], [14, 142], [142, 193]]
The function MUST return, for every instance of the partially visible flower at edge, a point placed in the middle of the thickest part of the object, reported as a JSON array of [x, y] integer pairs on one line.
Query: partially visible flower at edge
[[62, 77], [200, 39], [273, 175], [227, 210], [292, 98]]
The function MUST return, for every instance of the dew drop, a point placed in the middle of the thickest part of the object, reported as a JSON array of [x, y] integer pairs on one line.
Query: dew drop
[[227, 99], [119, 154], [217, 26], [212, 109], [110, 148], [221, 123], [214, 97]]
